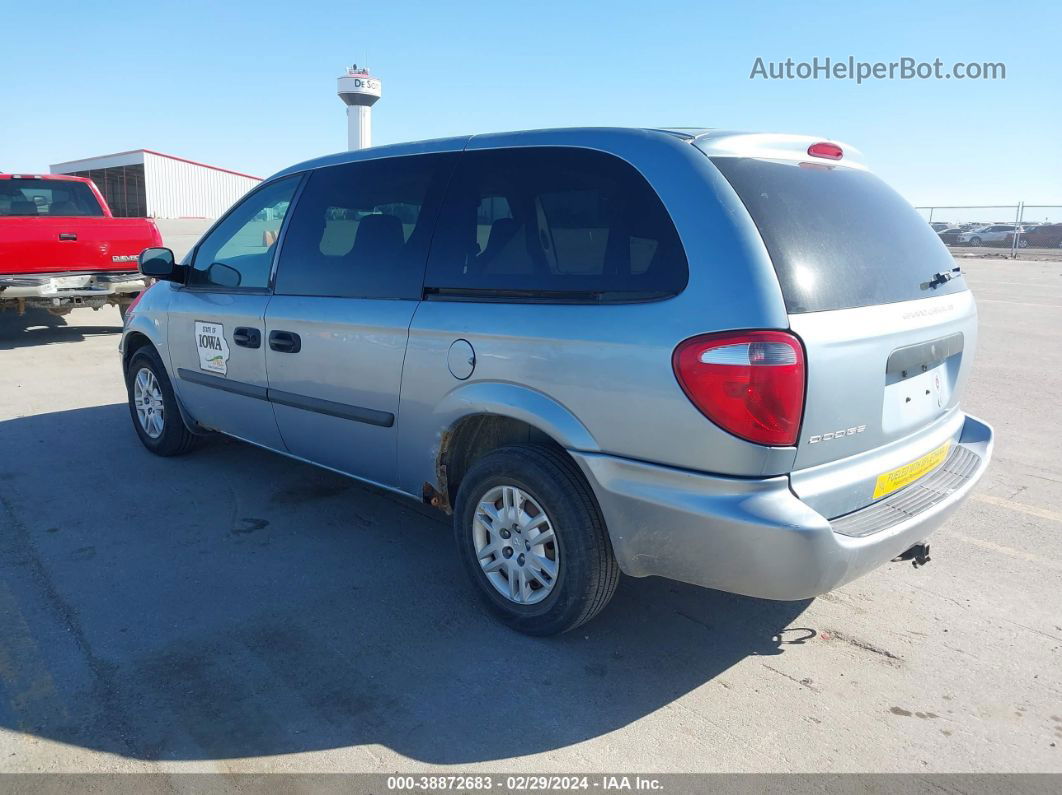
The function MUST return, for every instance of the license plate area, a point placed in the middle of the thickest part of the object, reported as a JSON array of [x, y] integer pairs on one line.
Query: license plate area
[[913, 401], [71, 282], [919, 383]]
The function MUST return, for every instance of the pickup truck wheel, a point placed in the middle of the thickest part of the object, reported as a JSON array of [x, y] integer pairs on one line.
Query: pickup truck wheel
[[532, 539], [153, 406]]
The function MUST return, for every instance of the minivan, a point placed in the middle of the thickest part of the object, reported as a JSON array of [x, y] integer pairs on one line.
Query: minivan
[[729, 359]]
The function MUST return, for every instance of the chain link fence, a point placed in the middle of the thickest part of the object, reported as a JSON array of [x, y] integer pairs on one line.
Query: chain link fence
[[1011, 228]]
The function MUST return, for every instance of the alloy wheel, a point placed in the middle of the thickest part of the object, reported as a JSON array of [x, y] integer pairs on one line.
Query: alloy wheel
[[148, 402]]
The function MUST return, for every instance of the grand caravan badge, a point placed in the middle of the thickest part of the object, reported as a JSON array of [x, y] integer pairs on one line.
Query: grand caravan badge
[[213, 350]]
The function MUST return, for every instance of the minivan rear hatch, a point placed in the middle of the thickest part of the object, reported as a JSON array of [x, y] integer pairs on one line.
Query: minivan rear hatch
[[886, 319]]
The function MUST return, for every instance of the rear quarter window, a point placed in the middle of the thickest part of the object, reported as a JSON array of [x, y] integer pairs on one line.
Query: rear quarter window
[[554, 224], [839, 237]]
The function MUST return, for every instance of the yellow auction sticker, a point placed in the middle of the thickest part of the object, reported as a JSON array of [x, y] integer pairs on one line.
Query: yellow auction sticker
[[909, 473]]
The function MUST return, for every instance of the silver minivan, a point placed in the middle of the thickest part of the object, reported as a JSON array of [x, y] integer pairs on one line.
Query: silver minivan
[[729, 359]]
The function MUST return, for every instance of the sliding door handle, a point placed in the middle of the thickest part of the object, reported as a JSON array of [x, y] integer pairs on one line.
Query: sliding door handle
[[285, 341]]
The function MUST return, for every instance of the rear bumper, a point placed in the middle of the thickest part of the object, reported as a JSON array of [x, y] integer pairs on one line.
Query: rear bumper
[[53, 288], [754, 536]]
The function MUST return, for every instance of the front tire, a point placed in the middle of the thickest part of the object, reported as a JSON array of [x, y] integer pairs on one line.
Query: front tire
[[153, 406], [975, 241], [532, 539]]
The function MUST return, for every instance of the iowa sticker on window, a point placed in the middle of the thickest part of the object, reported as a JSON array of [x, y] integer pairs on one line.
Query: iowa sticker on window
[[213, 350]]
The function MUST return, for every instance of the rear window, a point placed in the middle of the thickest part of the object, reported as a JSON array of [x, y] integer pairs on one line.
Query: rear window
[[839, 237], [554, 224], [33, 197]]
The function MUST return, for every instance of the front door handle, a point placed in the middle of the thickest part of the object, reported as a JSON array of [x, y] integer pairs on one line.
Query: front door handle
[[247, 337], [285, 341], [67, 236]]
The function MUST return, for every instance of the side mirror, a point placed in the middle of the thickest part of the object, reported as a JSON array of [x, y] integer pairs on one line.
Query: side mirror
[[223, 275], [159, 264]]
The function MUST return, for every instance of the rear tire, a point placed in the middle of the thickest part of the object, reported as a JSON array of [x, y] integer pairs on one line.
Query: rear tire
[[571, 577], [153, 407]]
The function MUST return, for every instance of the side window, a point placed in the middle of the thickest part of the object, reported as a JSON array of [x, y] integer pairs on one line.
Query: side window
[[363, 229], [239, 251], [543, 223]]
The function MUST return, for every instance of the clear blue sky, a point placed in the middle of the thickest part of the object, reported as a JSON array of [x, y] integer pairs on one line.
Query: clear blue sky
[[251, 85]]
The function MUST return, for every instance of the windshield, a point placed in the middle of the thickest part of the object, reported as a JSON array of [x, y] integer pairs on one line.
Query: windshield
[[839, 237], [32, 197]]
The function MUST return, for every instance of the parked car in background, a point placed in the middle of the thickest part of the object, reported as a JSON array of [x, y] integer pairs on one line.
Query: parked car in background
[[600, 350], [993, 234], [61, 248], [939, 226], [950, 236], [1044, 236]]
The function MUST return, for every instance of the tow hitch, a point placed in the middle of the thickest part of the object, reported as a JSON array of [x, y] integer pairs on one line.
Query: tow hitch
[[918, 555]]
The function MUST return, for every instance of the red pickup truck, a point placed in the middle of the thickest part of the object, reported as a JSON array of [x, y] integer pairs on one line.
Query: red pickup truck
[[60, 247]]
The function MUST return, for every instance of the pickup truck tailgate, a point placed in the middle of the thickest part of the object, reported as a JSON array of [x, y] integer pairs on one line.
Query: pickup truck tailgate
[[49, 245]]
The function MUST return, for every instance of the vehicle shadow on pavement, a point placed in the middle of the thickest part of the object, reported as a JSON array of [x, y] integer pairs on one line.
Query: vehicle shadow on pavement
[[234, 603], [38, 327]]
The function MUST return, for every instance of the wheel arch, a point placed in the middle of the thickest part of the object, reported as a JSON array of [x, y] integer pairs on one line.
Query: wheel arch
[[133, 342], [483, 417]]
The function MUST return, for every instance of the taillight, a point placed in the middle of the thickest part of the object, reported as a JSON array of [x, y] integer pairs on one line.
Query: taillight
[[827, 150], [749, 383]]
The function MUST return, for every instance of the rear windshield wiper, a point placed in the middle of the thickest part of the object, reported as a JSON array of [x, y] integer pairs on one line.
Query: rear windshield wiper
[[944, 277]]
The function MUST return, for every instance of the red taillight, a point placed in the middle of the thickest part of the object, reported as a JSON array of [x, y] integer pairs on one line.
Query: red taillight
[[829, 151], [748, 383]]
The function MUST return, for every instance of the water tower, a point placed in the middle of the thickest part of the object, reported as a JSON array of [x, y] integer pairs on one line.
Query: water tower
[[359, 91]]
